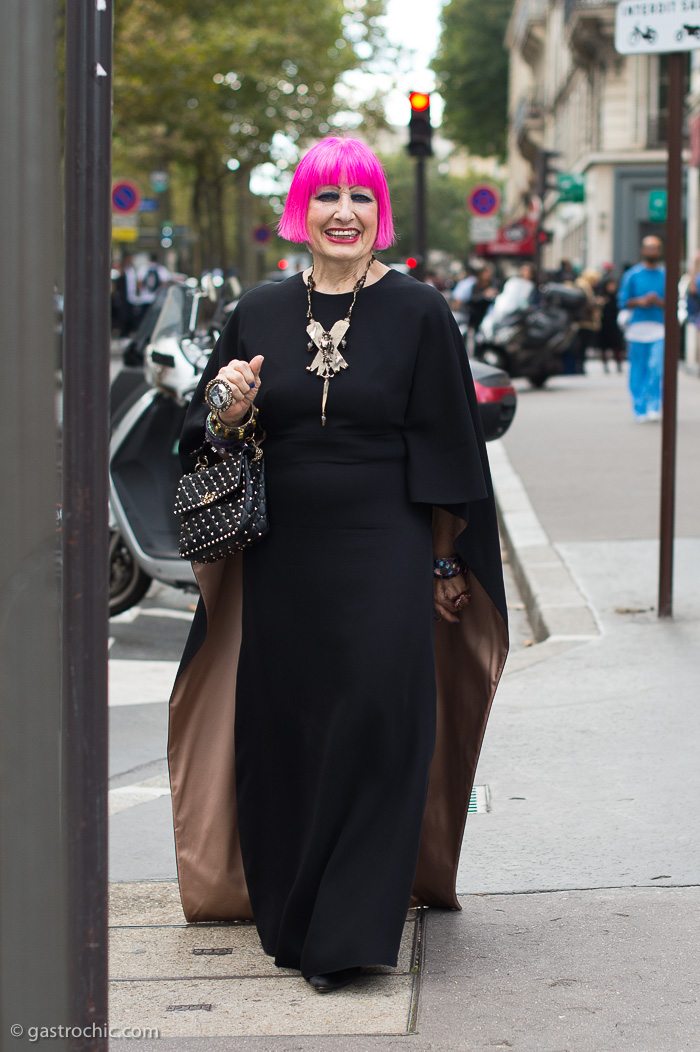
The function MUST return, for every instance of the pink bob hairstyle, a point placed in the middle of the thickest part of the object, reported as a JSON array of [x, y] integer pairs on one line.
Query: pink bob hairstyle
[[330, 162]]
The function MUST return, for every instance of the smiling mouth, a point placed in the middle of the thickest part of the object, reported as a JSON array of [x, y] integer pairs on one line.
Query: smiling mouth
[[343, 235]]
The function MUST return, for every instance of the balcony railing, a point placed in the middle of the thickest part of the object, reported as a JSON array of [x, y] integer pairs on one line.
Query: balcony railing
[[572, 6], [529, 112], [528, 11]]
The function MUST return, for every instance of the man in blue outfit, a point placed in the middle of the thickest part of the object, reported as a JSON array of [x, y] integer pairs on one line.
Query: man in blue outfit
[[642, 291]]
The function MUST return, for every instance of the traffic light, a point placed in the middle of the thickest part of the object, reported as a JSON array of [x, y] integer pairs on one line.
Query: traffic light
[[546, 172], [420, 131]]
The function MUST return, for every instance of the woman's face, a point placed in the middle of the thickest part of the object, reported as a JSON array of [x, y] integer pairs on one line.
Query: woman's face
[[342, 223]]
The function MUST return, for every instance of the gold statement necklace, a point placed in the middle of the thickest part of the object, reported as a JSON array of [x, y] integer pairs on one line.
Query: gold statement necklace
[[329, 360]]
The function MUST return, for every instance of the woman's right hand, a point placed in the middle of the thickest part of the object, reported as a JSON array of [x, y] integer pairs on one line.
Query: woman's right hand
[[244, 378]]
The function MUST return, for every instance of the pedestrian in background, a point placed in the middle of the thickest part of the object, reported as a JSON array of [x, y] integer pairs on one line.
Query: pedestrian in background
[[642, 291], [127, 296], [461, 294], [484, 292], [588, 335], [612, 338], [151, 277]]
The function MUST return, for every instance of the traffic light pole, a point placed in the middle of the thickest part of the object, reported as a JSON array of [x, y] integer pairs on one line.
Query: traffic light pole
[[674, 189], [420, 220]]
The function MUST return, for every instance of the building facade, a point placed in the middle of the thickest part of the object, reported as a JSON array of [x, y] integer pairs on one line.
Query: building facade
[[604, 114]]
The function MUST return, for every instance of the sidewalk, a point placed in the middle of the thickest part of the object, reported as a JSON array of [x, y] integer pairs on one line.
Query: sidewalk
[[580, 885]]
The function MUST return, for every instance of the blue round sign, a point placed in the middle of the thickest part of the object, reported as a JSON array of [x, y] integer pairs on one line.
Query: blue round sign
[[261, 235], [484, 200], [126, 196]]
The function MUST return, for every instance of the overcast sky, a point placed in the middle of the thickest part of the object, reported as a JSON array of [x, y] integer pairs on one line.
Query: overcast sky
[[413, 24]]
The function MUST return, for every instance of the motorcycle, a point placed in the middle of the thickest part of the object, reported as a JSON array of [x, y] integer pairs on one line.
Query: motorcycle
[[146, 424], [526, 334], [148, 408]]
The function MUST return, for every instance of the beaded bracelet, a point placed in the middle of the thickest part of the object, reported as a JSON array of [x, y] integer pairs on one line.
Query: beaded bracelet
[[446, 568]]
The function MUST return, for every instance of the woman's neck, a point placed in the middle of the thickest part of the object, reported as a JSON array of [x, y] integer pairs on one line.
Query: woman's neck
[[338, 276]]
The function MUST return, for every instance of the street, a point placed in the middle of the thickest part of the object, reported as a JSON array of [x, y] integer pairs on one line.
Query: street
[[579, 882]]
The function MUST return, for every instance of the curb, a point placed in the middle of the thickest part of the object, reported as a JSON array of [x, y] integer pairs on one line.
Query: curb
[[557, 609]]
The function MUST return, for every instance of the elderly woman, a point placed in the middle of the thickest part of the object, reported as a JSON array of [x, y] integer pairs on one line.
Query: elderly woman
[[360, 643]]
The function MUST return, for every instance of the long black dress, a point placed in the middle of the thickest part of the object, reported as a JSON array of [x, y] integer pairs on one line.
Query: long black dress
[[335, 697]]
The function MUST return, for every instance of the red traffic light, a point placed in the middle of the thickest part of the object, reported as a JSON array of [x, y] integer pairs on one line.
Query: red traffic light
[[283, 264], [411, 263], [419, 101], [419, 129]]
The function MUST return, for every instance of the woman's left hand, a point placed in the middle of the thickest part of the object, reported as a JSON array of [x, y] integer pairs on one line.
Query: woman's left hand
[[446, 591]]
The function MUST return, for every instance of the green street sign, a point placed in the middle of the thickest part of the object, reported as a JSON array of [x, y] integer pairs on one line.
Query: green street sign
[[571, 187], [657, 206]]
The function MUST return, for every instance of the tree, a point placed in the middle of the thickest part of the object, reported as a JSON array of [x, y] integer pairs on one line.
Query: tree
[[472, 70], [202, 83], [448, 218]]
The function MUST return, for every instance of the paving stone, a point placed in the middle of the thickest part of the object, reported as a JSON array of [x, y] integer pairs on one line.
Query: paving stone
[[375, 1004], [168, 952]]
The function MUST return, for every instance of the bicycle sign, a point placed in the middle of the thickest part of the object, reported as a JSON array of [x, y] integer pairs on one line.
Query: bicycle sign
[[642, 27]]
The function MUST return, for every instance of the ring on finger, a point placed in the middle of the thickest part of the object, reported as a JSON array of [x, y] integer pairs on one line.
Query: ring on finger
[[219, 394], [461, 600]]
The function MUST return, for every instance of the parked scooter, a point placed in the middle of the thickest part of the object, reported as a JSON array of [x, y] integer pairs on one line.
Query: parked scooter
[[525, 333], [147, 417]]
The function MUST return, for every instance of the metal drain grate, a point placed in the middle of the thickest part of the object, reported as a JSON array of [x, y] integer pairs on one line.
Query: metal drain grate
[[188, 1008], [480, 800]]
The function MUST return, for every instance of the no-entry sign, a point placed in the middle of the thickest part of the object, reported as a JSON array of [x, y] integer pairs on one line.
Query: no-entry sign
[[126, 196], [484, 200]]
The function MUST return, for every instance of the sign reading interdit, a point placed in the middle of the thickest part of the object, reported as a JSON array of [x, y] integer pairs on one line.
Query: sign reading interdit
[[658, 26]]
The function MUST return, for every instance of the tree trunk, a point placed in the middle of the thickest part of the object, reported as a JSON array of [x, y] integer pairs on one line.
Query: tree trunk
[[196, 229]]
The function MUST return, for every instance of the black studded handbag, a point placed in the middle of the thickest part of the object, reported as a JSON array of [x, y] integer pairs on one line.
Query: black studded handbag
[[223, 508]]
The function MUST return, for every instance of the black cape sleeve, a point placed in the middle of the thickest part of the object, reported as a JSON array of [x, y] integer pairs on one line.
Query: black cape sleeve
[[447, 459]]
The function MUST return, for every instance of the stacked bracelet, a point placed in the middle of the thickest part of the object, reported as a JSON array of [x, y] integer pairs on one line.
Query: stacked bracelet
[[447, 568], [225, 438]]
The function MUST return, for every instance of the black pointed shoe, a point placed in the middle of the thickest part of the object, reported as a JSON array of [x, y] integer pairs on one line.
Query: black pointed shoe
[[324, 984]]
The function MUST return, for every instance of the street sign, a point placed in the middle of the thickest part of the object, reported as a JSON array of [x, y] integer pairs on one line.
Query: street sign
[[125, 227], [657, 206], [571, 187], [484, 200], [483, 229], [148, 204], [126, 196], [664, 26], [160, 181], [261, 235]]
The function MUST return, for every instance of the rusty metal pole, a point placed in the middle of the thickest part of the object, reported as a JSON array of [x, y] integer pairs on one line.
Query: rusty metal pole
[[86, 350], [674, 190]]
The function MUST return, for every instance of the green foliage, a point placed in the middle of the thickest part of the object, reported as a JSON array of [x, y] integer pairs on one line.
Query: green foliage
[[200, 82], [448, 218], [472, 70]]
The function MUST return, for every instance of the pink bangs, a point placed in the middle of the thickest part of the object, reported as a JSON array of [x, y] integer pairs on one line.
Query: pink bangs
[[334, 161]]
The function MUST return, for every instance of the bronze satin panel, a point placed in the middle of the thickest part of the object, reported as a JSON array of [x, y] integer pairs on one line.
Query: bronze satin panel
[[201, 757], [469, 663]]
